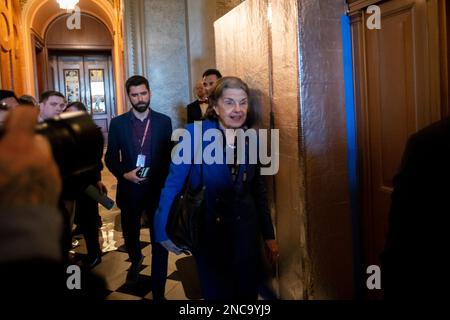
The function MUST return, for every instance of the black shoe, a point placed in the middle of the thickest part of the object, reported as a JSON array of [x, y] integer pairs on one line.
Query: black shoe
[[133, 272]]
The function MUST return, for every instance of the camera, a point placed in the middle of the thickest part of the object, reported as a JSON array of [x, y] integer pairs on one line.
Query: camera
[[76, 142]]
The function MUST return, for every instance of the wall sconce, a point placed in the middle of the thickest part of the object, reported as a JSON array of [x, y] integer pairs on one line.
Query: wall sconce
[[67, 4]]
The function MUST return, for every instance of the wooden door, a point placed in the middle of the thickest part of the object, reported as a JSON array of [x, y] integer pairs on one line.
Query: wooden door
[[11, 52], [397, 82], [98, 94], [86, 78], [71, 82], [6, 45]]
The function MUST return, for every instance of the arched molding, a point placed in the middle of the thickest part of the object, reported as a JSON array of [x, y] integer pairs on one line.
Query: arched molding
[[107, 11]]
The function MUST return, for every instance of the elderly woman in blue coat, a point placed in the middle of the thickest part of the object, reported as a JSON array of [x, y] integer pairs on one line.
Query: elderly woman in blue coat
[[237, 219]]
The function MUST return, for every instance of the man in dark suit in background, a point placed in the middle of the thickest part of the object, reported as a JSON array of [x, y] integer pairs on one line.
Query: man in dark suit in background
[[140, 138], [196, 110], [418, 236]]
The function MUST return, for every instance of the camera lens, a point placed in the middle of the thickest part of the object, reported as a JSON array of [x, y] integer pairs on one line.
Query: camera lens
[[76, 141]]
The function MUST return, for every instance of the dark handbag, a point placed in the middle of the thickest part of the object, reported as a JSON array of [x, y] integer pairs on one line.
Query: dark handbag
[[186, 215]]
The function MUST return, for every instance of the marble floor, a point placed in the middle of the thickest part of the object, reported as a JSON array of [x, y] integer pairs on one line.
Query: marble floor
[[182, 282]]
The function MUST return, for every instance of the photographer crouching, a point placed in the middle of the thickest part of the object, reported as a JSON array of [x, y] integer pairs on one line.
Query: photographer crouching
[[80, 165], [85, 190], [31, 226]]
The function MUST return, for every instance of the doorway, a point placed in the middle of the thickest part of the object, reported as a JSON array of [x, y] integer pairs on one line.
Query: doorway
[[400, 80], [88, 78]]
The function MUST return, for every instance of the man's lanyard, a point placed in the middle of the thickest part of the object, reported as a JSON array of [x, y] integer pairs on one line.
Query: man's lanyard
[[145, 135]]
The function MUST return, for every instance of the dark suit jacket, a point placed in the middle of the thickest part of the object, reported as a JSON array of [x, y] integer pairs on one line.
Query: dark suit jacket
[[418, 235], [194, 112], [121, 158]]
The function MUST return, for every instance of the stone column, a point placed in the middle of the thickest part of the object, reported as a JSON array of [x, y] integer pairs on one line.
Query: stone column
[[135, 40], [156, 47]]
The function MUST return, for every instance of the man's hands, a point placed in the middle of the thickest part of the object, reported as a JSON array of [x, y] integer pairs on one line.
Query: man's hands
[[28, 173], [132, 176], [100, 186]]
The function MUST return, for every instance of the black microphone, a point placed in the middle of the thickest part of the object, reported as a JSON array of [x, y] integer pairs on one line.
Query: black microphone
[[101, 198]]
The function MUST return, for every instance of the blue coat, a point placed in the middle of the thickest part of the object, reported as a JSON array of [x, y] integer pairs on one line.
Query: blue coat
[[229, 257], [219, 189]]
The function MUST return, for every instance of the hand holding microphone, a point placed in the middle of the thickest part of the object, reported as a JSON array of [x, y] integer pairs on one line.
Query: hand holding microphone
[[98, 193]]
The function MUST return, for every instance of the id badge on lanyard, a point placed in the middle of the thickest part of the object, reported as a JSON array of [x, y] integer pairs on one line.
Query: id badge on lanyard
[[140, 162]]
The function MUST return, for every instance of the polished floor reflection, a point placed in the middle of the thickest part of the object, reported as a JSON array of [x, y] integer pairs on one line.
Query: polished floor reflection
[[182, 282], [182, 279]]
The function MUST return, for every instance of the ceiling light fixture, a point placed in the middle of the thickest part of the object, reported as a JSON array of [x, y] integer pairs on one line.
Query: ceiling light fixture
[[67, 4]]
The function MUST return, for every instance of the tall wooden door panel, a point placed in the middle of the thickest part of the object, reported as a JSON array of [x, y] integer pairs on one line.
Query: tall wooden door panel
[[86, 79], [71, 78], [97, 88], [11, 74], [397, 93], [6, 45]]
